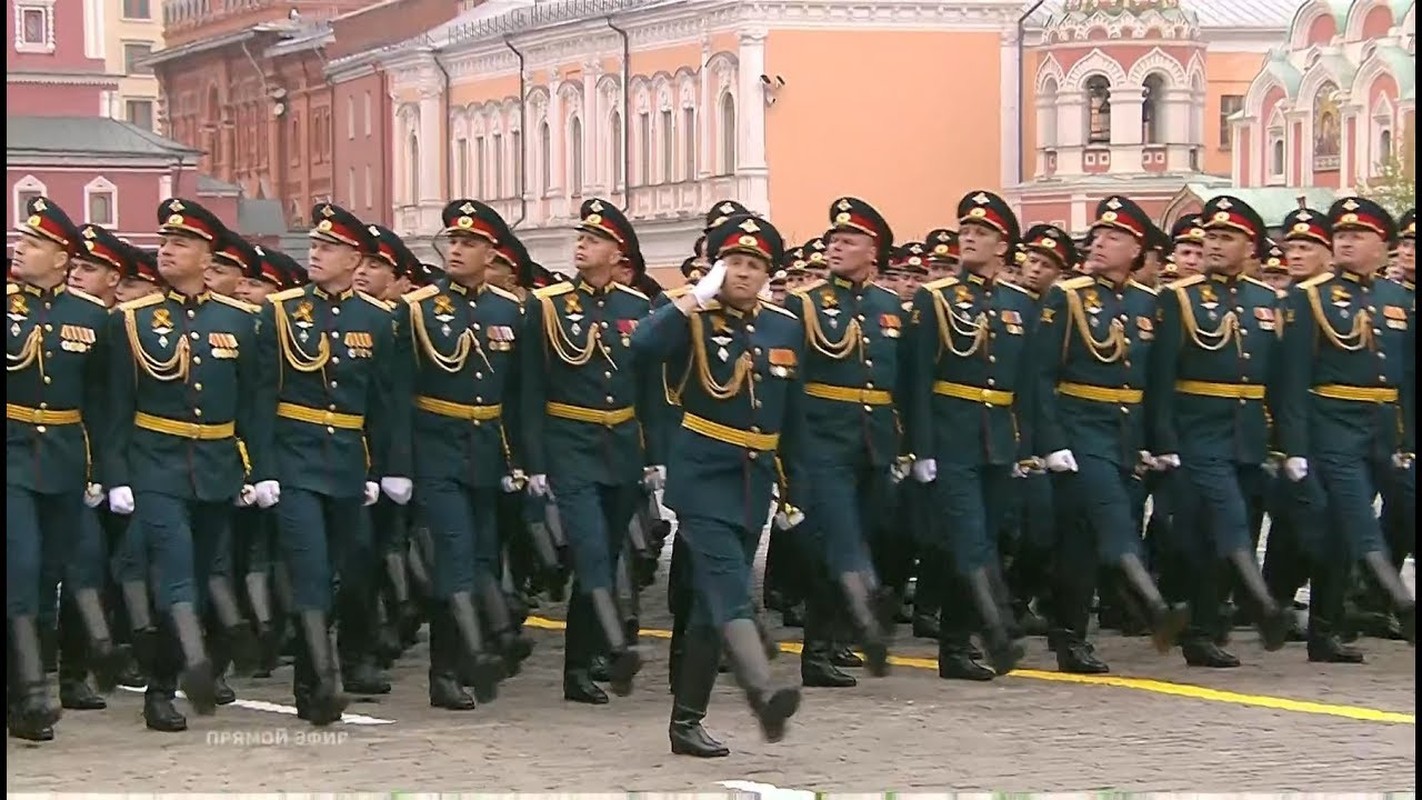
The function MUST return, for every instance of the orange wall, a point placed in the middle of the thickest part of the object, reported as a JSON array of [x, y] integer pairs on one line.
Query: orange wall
[[847, 123], [1225, 74], [1031, 59]]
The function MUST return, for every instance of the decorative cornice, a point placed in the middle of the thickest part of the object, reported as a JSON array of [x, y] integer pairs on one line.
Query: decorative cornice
[[64, 79], [31, 160]]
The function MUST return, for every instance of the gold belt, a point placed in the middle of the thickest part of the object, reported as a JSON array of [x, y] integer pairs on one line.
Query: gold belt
[[1357, 394], [1100, 394], [1225, 391], [42, 416], [185, 430], [608, 418], [315, 416], [848, 394], [448, 408], [750, 440], [976, 394]]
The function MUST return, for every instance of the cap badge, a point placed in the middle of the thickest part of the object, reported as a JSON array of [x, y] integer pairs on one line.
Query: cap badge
[[1300, 227], [175, 205], [327, 212], [749, 226], [843, 205], [1109, 216], [748, 241], [1113, 204], [1304, 215], [595, 206], [1221, 216], [467, 208], [40, 205], [1350, 204], [981, 198], [1224, 203]]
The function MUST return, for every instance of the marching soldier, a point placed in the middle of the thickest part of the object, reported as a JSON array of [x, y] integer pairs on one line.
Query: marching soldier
[[457, 358], [942, 247], [1274, 271], [329, 349], [815, 264], [55, 391], [969, 368], [1216, 344], [140, 277], [582, 399], [852, 332], [185, 389], [1344, 409], [1091, 355], [1188, 245], [739, 436]]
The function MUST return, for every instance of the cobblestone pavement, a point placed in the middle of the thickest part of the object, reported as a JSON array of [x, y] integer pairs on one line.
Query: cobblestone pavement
[[904, 732]]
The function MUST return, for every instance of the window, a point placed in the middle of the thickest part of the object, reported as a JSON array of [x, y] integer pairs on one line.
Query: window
[[367, 114], [34, 28], [137, 9], [369, 188], [499, 190], [545, 158], [644, 149], [688, 135], [481, 153], [139, 112], [619, 145], [1098, 110], [668, 147], [350, 117], [413, 165], [99, 202], [351, 195], [575, 138], [1276, 158], [1384, 150], [1230, 105], [133, 53], [728, 134], [27, 189], [461, 167], [516, 151], [1153, 111]]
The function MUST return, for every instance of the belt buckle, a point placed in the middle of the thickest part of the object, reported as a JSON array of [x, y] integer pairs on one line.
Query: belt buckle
[[328, 418], [36, 416], [192, 430]]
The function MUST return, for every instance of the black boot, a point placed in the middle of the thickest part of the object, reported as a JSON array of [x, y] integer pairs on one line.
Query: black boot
[[197, 674], [582, 641], [268, 632], [873, 612], [624, 661], [512, 645], [159, 712], [480, 668], [956, 660], [1272, 618], [239, 640], [1377, 564], [695, 680], [1166, 621], [1075, 655], [772, 706], [325, 701], [75, 694], [102, 658], [1002, 651], [817, 667], [32, 715], [445, 689]]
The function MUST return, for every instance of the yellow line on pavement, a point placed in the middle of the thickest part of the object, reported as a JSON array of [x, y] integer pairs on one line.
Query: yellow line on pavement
[[1138, 684]]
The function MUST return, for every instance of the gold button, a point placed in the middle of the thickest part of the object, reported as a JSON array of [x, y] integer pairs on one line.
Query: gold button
[[991, 382], [1125, 409], [336, 310], [1246, 356], [752, 454], [335, 359], [609, 398], [756, 351], [755, 429], [607, 375], [478, 376], [197, 387], [868, 407], [48, 327], [44, 406], [754, 376], [49, 354], [331, 407], [868, 362], [197, 412], [40, 429], [330, 430], [191, 313], [869, 385], [477, 423], [865, 340], [756, 404], [859, 317], [194, 335], [478, 399], [1125, 363], [992, 359], [750, 329], [197, 359], [1243, 401]]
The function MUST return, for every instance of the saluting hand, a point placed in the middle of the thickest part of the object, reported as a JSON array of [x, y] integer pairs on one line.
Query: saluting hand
[[709, 286]]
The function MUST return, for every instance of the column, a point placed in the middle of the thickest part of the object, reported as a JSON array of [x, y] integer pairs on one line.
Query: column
[[431, 146], [557, 130], [594, 178], [1010, 116], [752, 174], [1126, 114], [704, 113]]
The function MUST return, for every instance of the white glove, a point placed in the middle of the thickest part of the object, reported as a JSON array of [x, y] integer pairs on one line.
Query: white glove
[[372, 493], [654, 477], [246, 497], [398, 489], [93, 495], [925, 470], [268, 493], [538, 486], [788, 517], [121, 500], [512, 483], [900, 469], [1403, 460], [1147, 461], [1166, 462], [1019, 470], [1295, 468], [709, 286], [1061, 461]]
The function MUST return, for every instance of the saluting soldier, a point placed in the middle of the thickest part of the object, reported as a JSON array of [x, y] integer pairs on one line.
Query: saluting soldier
[[55, 391], [583, 396], [852, 331], [970, 367], [1344, 407], [457, 361], [186, 390], [1091, 354], [740, 436], [1216, 344], [329, 349]]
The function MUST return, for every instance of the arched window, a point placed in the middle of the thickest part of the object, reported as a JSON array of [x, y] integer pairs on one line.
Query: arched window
[[688, 137], [1384, 148], [575, 158], [1276, 159], [619, 145], [545, 158], [644, 149], [728, 134], [1098, 110], [1047, 114], [668, 147], [412, 147], [1153, 110]]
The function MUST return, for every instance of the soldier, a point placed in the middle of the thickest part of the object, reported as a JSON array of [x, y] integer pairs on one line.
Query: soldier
[[385, 273], [1092, 347], [1188, 245], [739, 436], [55, 390], [852, 332], [583, 397], [225, 272], [140, 277], [815, 264], [1344, 408], [969, 364], [329, 347], [457, 357], [943, 256], [1274, 271], [778, 286], [1216, 344], [1407, 249], [186, 390], [1400, 503]]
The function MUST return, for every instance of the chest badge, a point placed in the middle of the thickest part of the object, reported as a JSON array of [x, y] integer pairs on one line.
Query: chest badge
[[444, 312], [19, 309], [721, 340], [304, 319], [962, 297], [162, 325]]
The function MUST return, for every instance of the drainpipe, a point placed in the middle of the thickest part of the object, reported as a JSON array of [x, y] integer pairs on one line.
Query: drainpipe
[[1022, 92], [523, 131], [448, 162], [626, 114]]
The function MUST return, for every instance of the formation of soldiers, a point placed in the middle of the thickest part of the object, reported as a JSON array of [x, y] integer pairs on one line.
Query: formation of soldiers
[[217, 454]]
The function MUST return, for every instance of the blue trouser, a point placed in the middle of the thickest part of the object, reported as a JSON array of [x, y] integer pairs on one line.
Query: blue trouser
[[844, 503], [34, 522], [1099, 496], [973, 499], [595, 519], [188, 540], [321, 537], [1223, 496], [1349, 486], [391, 526], [720, 556], [128, 558], [463, 522], [83, 557], [255, 538], [1399, 512]]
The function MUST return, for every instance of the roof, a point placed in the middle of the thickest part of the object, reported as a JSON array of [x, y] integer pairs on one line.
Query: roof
[[1267, 14], [208, 185], [259, 217], [1272, 202], [98, 136]]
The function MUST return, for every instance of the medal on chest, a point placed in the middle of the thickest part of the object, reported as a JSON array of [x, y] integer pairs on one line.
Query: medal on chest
[[162, 325], [304, 319], [1341, 300], [444, 313], [573, 311], [19, 310], [829, 304], [1209, 301], [1091, 301]]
